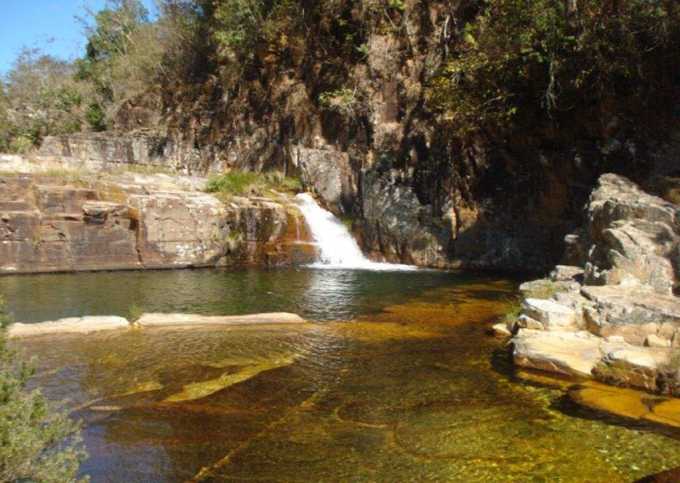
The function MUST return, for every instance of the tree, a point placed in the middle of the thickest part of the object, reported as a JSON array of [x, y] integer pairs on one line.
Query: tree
[[36, 444], [39, 98], [122, 54]]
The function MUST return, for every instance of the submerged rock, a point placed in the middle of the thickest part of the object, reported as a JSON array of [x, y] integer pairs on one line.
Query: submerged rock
[[74, 325], [170, 320], [628, 403]]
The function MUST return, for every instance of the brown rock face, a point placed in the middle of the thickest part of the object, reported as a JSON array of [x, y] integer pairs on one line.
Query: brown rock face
[[48, 227]]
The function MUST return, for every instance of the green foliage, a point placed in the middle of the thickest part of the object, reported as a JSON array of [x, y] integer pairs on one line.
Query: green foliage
[[36, 444], [528, 59], [40, 97], [243, 183], [513, 312], [96, 117]]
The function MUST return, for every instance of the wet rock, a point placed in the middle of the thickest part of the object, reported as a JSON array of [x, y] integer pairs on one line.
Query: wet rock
[[329, 174], [397, 226], [171, 320], [670, 476], [569, 353], [75, 325], [628, 403]]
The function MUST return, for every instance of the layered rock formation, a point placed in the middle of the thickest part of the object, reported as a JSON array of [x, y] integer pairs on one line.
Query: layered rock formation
[[64, 221], [615, 317]]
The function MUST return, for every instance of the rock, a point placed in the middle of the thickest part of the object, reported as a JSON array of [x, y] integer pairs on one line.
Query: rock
[[566, 273], [329, 174], [670, 476], [46, 226], [172, 320], [75, 325], [627, 403], [501, 330], [551, 314], [105, 150], [525, 322], [633, 313], [632, 366], [397, 227], [633, 236], [569, 353], [654, 340]]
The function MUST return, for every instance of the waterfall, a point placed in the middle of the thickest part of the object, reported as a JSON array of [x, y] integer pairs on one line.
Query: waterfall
[[337, 247]]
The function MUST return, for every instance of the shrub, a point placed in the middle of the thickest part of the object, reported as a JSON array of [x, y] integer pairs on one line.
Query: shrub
[[244, 183], [135, 312], [36, 444]]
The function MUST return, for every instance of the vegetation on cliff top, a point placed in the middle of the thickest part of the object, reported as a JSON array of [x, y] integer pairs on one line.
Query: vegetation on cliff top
[[525, 62], [247, 183], [36, 443]]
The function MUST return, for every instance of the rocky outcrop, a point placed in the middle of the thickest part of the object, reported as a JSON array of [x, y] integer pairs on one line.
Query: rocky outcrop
[[100, 150], [52, 223], [615, 318]]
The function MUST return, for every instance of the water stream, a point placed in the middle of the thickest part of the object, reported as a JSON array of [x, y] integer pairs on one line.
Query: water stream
[[337, 247]]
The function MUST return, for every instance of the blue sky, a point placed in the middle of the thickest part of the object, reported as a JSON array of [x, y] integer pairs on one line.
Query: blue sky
[[48, 24]]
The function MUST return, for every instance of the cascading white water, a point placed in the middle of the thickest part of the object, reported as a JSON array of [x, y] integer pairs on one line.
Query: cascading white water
[[337, 247]]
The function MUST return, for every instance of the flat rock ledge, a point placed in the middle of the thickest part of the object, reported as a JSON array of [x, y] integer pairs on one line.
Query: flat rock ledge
[[90, 325], [174, 320], [73, 325]]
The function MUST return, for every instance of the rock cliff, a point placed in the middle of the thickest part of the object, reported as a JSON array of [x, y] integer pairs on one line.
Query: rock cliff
[[615, 316], [62, 220]]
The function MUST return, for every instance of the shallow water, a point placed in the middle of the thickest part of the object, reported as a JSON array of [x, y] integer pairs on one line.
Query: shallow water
[[394, 381]]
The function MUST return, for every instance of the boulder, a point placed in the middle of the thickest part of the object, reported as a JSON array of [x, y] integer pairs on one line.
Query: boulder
[[74, 325], [633, 236]]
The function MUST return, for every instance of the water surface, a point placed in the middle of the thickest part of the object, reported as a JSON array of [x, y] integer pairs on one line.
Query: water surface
[[394, 381]]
